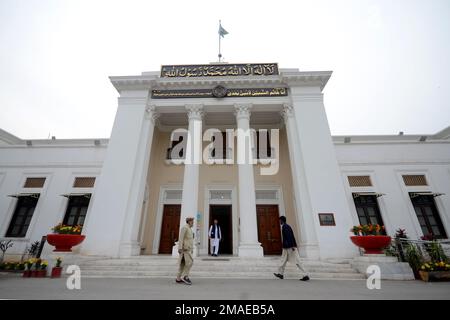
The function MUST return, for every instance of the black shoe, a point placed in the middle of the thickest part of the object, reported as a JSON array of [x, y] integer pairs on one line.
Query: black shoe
[[278, 275], [178, 281], [186, 280], [305, 278]]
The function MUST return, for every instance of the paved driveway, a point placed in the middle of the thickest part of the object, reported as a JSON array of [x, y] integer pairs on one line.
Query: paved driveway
[[15, 287]]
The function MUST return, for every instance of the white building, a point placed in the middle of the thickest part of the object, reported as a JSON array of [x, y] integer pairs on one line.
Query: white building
[[131, 198]]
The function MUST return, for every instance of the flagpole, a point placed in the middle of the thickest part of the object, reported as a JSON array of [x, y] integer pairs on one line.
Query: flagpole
[[220, 55]]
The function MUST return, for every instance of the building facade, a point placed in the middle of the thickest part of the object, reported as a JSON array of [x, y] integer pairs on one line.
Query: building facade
[[181, 145]]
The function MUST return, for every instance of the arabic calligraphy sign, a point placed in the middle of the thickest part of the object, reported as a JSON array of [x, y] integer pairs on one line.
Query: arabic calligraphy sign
[[209, 93], [219, 70]]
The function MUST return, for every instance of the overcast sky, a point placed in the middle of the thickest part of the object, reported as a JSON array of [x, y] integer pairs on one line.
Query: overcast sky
[[390, 59]]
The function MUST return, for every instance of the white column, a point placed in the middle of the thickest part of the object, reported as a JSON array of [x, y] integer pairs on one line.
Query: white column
[[130, 243], [309, 247], [189, 202], [248, 244], [116, 204], [322, 174]]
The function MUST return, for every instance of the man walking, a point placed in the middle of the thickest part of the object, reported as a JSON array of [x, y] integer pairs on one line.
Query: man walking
[[289, 250], [186, 250], [215, 235]]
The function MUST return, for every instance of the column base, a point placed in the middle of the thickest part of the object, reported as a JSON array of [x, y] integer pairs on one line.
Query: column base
[[253, 250], [129, 249], [390, 268]]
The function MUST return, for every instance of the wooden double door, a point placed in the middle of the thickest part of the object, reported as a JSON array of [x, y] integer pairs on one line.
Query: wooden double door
[[269, 229], [170, 228]]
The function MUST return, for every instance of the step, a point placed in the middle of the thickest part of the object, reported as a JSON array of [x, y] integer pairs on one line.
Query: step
[[234, 275], [209, 267], [218, 268]]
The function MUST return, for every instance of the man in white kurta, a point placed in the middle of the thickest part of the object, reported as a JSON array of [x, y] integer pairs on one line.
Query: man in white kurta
[[215, 235]]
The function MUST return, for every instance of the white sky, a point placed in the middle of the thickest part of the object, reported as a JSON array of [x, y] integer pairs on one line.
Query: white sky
[[391, 59]]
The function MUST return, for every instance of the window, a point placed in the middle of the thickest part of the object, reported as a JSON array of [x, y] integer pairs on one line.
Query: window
[[76, 210], [22, 216], [428, 216], [367, 209]]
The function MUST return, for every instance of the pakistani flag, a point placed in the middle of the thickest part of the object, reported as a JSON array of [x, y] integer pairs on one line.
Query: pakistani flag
[[222, 31]]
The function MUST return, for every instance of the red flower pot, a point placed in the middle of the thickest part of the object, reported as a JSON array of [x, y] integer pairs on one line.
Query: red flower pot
[[372, 244], [56, 272], [26, 274], [41, 273], [64, 242], [34, 273]]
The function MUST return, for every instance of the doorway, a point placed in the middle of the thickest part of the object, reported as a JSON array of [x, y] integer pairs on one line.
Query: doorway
[[223, 214], [170, 228], [269, 229]]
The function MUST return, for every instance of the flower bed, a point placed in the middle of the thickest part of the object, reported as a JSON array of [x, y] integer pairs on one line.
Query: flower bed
[[435, 271], [11, 266]]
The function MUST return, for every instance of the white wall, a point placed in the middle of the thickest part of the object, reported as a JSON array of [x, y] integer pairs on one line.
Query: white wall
[[385, 163], [60, 165]]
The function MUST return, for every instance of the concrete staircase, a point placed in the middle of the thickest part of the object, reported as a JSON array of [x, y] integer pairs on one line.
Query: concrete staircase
[[212, 267]]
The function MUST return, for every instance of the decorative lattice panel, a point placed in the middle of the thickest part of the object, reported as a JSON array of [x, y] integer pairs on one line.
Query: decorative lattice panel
[[359, 181], [34, 183], [415, 180], [84, 182]]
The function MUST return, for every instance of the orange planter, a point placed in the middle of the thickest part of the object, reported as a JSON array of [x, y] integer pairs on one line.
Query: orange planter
[[372, 244], [64, 242]]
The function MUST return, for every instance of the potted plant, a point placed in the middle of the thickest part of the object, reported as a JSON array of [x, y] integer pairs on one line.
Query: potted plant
[[36, 268], [65, 237], [371, 238], [28, 266], [438, 269], [435, 271], [414, 258], [42, 272], [57, 269]]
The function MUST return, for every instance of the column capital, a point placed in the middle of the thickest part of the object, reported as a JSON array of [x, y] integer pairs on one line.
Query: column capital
[[195, 111], [242, 110], [287, 112], [152, 114]]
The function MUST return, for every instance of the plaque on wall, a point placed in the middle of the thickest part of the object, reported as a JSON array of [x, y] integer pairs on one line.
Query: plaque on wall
[[219, 70], [219, 92], [327, 219]]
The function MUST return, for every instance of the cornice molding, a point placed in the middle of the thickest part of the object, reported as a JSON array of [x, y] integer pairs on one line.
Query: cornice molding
[[289, 77], [139, 82]]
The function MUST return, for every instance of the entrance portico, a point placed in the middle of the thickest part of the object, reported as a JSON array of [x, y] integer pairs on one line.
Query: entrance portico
[[308, 174]]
